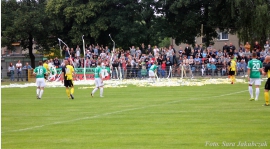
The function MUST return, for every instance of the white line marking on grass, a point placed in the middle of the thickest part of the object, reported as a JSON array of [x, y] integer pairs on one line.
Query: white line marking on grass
[[116, 112], [231, 93]]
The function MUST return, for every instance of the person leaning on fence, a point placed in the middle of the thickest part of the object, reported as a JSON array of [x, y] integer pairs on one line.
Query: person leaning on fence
[[26, 67], [11, 70]]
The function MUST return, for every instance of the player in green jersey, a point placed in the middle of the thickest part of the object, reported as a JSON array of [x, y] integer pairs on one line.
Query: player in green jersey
[[98, 80], [40, 71], [254, 75], [152, 70]]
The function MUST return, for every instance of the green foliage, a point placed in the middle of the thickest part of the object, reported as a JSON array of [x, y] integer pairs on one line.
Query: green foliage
[[25, 21], [130, 22], [166, 42], [252, 19]]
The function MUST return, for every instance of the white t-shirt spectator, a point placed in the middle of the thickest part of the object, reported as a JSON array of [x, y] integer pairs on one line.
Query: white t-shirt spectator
[[78, 54], [156, 52], [19, 66]]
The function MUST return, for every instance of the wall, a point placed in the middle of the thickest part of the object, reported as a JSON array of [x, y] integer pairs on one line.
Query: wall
[[218, 43]]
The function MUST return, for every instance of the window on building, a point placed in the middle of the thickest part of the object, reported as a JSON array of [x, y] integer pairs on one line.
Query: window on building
[[223, 36]]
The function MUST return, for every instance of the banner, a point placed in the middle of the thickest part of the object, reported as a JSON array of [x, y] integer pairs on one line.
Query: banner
[[55, 74]]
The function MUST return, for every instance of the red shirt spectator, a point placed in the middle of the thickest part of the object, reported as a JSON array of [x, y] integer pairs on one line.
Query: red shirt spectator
[[163, 65]]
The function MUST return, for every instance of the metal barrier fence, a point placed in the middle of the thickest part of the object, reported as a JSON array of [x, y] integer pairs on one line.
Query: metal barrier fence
[[181, 71], [16, 76]]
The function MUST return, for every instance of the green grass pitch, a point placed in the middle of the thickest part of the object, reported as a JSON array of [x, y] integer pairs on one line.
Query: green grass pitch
[[210, 116]]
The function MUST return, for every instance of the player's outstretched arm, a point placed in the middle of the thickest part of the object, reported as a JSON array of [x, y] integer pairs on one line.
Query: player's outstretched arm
[[62, 77]]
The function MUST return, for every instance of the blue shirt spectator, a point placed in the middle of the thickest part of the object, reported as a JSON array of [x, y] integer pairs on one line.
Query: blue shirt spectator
[[27, 66]]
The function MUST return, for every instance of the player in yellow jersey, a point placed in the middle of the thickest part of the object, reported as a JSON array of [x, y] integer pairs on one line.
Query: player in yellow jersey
[[266, 71], [67, 77], [46, 66], [232, 69]]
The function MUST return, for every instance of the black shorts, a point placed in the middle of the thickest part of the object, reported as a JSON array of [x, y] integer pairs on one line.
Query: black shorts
[[267, 84], [231, 73], [68, 83]]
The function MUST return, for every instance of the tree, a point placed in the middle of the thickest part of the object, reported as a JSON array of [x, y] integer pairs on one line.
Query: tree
[[252, 19], [184, 18], [8, 13], [130, 22], [26, 23]]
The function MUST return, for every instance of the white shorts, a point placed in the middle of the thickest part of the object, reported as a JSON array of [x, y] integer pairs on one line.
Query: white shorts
[[98, 82], [255, 81], [40, 82], [151, 73]]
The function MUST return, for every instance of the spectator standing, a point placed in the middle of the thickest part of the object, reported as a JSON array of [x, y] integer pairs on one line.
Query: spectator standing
[[247, 46], [26, 68], [142, 48], [67, 54], [257, 46], [232, 47], [149, 50], [72, 53], [138, 52], [219, 53], [156, 52], [78, 51], [96, 51], [196, 48], [56, 62], [163, 69], [168, 66], [180, 52], [242, 67], [115, 65], [107, 50], [187, 50], [133, 51], [241, 47], [11, 70], [19, 70], [225, 47]]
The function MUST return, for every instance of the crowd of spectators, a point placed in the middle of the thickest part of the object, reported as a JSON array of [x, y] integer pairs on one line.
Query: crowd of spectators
[[185, 61], [135, 62]]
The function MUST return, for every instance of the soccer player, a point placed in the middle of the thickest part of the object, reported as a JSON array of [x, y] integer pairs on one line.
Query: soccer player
[[98, 80], [46, 66], [40, 81], [232, 69], [266, 71], [67, 77], [254, 75], [152, 72]]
